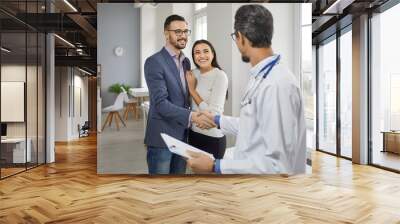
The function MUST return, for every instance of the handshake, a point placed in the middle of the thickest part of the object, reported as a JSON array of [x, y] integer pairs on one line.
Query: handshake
[[203, 119]]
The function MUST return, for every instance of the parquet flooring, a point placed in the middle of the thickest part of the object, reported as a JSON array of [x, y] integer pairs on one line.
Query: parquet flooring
[[10, 171], [70, 191]]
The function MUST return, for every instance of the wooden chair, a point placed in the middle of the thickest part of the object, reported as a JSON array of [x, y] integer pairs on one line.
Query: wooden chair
[[131, 105]]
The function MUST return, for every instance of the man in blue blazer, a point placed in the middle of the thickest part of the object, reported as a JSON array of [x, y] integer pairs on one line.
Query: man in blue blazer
[[169, 99]]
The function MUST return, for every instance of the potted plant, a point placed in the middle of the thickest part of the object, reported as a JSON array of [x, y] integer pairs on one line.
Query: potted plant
[[126, 87], [116, 88]]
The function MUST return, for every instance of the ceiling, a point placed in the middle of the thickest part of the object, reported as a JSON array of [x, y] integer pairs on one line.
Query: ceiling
[[329, 16], [75, 23], [76, 20]]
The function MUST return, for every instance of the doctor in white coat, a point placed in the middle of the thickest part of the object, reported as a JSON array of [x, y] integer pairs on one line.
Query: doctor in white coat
[[270, 131]]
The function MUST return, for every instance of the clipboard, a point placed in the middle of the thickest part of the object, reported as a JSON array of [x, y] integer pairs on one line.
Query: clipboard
[[179, 147]]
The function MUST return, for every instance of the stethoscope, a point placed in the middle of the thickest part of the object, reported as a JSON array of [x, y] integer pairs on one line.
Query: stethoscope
[[251, 91]]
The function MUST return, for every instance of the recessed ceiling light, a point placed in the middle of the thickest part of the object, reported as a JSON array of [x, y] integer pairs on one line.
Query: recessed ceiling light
[[5, 50], [337, 7], [64, 40], [70, 5], [84, 71]]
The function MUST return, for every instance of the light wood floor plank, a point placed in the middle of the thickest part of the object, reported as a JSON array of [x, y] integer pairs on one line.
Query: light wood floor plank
[[70, 191]]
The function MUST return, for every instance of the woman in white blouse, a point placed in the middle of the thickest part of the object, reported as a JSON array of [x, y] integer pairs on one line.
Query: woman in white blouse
[[208, 86]]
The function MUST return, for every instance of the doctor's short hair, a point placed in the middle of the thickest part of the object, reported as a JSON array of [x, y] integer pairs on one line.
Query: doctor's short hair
[[255, 22], [171, 19]]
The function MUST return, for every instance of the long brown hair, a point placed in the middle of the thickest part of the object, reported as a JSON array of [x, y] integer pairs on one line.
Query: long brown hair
[[214, 62]]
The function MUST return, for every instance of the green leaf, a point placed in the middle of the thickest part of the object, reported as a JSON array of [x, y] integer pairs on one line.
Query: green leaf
[[115, 88]]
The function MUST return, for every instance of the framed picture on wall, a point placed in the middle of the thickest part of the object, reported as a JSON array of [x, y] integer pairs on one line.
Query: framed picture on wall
[[13, 101]]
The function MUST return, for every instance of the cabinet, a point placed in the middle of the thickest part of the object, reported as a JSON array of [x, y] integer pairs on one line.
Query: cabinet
[[391, 142], [13, 150]]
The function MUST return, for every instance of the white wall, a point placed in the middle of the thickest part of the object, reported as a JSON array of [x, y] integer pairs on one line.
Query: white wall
[[66, 121], [219, 28], [118, 25], [152, 32], [80, 83], [186, 10], [152, 29], [162, 12], [148, 39], [62, 81], [220, 18]]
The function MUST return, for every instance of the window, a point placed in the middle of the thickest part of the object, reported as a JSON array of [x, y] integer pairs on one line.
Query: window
[[346, 94], [199, 6], [201, 28], [200, 21], [22, 65], [307, 76], [394, 101], [335, 74], [327, 96], [385, 89]]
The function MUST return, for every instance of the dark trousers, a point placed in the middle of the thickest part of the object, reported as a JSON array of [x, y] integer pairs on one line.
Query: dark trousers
[[212, 145]]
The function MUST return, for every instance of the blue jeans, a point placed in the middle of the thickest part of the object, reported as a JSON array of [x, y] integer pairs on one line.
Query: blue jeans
[[163, 161]]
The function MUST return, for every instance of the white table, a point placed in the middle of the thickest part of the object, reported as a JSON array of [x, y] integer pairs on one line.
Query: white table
[[19, 149], [140, 94]]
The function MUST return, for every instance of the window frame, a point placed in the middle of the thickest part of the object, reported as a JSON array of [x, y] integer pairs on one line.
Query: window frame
[[334, 37], [199, 14], [371, 14]]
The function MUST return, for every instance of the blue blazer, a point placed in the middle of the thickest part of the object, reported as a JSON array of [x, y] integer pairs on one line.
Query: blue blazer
[[169, 104]]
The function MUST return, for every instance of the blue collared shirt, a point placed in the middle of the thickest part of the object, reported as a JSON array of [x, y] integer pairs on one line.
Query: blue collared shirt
[[217, 168], [179, 65], [216, 120]]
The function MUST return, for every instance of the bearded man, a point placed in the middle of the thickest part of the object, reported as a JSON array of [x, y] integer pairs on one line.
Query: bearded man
[[169, 111]]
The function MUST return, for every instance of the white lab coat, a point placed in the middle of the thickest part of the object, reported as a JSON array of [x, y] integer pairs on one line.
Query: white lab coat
[[270, 132]]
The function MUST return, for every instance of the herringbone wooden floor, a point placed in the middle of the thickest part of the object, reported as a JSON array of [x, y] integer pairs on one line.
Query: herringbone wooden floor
[[70, 191]]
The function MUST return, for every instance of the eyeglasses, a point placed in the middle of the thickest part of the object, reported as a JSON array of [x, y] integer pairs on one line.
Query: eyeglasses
[[179, 32], [233, 35]]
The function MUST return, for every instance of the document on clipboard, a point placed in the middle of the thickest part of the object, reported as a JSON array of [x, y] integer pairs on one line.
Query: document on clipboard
[[180, 148]]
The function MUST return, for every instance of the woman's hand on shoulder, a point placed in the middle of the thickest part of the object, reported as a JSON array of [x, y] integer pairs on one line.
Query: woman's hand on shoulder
[[191, 80]]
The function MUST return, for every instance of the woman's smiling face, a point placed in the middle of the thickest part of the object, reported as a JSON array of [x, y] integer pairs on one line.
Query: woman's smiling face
[[203, 55]]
